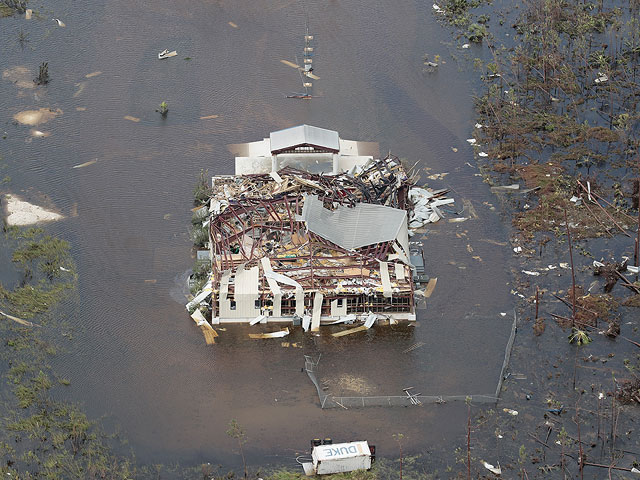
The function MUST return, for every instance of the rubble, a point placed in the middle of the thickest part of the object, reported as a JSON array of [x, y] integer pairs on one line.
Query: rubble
[[313, 248]]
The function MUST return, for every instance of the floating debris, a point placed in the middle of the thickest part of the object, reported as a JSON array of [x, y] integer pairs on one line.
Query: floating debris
[[59, 22], [209, 117], [278, 334], [92, 74], [39, 134], [132, 119], [85, 164], [26, 323], [167, 54], [232, 24], [497, 470]]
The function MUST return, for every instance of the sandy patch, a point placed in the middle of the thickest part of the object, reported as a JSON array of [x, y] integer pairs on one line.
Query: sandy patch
[[36, 117], [23, 213], [21, 76]]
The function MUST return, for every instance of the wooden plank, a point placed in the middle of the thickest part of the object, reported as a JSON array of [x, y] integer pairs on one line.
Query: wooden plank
[[430, 287], [350, 331]]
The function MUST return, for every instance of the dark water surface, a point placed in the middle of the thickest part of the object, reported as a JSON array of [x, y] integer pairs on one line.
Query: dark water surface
[[137, 357]]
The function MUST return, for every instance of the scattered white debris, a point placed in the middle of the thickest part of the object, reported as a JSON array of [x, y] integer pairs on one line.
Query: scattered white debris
[[483, 154], [478, 125], [497, 470], [466, 45], [529, 272], [517, 249], [59, 22], [471, 141], [600, 396], [28, 13], [64, 269], [632, 269], [426, 205], [437, 8], [510, 411], [564, 265], [503, 314], [602, 78], [598, 264]]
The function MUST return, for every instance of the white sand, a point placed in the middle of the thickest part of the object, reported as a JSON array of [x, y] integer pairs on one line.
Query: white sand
[[23, 213]]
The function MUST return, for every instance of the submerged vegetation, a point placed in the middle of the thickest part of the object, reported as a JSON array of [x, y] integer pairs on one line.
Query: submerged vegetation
[[41, 437]]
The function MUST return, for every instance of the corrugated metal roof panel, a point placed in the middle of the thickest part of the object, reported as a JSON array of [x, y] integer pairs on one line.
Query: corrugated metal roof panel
[[304, 135], [351, 228]]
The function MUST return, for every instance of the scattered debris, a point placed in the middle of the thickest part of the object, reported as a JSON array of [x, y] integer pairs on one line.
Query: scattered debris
[[471, 141], [39, 134], [497, 470], [528, 272], [167, 54], [28, 14], [602, 78], [232, 24], [92, 74], [431, 286], [19, 320], [59, 22], [505, 188], [510, 411], [349, 331], [413, 397], [132, 119], [85, 164], [278, 334], [209, 117]]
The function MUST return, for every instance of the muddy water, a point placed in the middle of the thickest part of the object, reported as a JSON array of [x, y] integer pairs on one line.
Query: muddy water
[[137, 358]]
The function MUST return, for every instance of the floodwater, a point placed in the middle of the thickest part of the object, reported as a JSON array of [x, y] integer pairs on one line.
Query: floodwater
[[137, 359]]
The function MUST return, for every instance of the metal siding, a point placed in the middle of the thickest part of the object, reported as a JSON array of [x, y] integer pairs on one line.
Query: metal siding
[[351, 228], [304, 134]]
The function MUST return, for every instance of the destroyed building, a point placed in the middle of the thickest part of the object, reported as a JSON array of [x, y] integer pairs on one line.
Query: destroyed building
[[313, 229]]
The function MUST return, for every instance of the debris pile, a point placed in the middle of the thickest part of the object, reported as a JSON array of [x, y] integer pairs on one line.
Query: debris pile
[[293, 245]]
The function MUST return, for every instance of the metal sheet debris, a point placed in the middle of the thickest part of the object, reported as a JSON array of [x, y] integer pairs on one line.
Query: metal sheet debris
[[278, 334]]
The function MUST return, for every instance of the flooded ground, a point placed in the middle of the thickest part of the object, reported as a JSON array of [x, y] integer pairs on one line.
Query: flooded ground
[[137, 358]]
